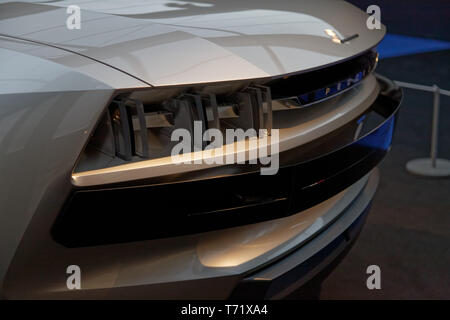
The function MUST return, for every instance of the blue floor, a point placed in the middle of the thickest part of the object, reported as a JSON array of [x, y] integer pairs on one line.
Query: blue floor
[[394, 45]]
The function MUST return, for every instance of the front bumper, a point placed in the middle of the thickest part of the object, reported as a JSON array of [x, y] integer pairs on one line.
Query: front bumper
[[309, 263]]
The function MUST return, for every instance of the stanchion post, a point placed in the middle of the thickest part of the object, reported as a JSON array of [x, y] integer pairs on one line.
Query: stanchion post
[[433, 166], [435, 125]]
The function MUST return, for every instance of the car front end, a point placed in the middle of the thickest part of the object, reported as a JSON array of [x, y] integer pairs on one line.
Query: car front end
[[88, 118]]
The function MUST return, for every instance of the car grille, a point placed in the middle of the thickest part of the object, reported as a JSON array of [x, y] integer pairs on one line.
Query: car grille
[[179, 205]]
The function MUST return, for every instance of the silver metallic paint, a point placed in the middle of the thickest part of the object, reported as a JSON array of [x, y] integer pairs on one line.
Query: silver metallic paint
[[173, 44], [46, 112]]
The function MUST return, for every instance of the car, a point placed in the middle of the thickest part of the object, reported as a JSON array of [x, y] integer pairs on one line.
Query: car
[[105, 194]]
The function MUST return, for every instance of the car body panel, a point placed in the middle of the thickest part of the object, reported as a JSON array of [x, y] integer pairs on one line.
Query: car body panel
[[211, 262], [96, 72], [207, 41], [46, 113]]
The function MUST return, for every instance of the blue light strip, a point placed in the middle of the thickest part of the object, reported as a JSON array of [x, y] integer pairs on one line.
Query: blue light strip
[[330, 90]]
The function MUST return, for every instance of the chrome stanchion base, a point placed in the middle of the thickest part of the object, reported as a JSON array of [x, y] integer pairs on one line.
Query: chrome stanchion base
[[424, 167]]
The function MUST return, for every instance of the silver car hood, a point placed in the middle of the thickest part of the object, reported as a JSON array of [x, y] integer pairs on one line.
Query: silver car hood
[[166, 43]]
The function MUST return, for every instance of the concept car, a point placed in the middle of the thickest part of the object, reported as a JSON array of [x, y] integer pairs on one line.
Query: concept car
[[91, 94]]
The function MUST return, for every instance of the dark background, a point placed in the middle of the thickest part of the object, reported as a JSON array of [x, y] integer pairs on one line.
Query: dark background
[[419, 18], [408, 230]]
